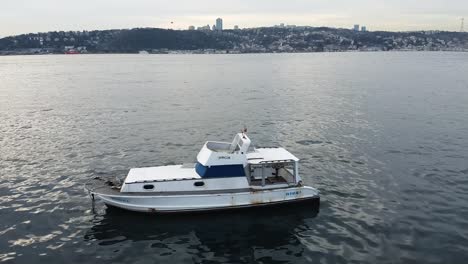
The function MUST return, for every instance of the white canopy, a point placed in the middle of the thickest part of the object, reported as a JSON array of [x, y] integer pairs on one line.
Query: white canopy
[[262, 155]]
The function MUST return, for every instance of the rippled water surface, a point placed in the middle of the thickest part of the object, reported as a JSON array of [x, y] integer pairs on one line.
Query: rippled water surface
[[384, 136]]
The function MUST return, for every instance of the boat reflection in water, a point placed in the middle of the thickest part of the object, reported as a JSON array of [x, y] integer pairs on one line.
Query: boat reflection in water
[[264, 233]]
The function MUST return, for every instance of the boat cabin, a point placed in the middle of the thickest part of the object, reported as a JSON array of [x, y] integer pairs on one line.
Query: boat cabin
[[271, 166], [221, 166]]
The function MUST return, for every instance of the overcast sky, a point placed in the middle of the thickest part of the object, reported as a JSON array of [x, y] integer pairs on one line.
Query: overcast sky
[[25, 16]]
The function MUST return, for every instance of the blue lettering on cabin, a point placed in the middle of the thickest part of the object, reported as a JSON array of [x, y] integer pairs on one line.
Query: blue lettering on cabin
[[293, 193], [236, 170]]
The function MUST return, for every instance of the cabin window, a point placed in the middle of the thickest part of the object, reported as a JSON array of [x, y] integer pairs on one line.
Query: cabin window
[[199, 183], [236, 170], [148, 186]]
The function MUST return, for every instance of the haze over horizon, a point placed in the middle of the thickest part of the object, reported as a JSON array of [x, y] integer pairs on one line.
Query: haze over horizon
[[28, 16]]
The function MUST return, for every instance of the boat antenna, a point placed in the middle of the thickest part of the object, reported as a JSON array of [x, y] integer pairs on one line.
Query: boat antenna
[[243, 131]]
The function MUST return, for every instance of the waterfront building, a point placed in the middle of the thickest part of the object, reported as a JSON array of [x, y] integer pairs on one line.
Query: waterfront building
[[207, 27], [356, 27], [236, 27], [191, 28], [363, 28]]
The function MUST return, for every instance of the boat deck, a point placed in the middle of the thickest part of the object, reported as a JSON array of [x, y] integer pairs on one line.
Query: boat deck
[[162, 173], [268, 181]]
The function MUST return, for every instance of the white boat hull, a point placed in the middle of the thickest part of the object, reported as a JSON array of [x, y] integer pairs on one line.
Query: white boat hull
[[207, 201]]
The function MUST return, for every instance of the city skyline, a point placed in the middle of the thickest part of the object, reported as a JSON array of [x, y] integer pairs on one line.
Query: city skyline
[[26, 16]]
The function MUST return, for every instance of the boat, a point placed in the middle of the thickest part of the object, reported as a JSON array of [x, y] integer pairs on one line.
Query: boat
[[72, 52], [226, 175]]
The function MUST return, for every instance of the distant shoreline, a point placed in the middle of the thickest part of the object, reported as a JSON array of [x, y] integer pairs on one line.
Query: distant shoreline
[[241, 41], [245, 53]]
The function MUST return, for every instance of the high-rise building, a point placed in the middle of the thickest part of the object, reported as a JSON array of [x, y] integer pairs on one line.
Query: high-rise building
[[236, 27], [363, 28], [191, 28], [356, 27], [219, 24]]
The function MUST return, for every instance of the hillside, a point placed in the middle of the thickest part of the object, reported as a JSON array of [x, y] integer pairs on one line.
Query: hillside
[[266, 39]]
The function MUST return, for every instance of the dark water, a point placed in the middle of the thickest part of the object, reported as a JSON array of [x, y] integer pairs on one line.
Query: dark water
[[384, 136]]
